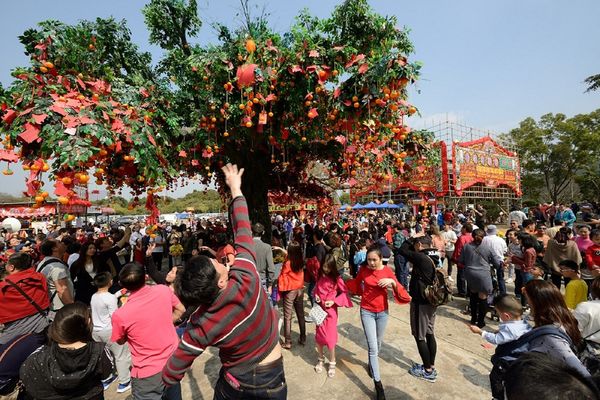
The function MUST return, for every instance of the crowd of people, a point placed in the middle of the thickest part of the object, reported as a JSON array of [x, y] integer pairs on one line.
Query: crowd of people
[[138, 304]]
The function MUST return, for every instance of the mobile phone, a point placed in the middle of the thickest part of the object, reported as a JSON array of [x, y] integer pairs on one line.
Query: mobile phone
[[200, 242]]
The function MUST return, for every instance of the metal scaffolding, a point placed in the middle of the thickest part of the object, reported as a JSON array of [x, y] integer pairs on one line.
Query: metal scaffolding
[[450, 133]]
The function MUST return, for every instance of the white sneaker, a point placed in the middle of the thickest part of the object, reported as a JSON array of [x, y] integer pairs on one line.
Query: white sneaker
[[451, 279], [308, 319]]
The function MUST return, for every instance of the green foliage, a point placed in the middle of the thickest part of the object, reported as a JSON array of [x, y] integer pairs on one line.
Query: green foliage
[[593, 83], [331, 90], [171, 21], [201, 201]]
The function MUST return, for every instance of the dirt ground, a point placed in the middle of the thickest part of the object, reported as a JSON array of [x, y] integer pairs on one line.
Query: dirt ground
[[463, 362]]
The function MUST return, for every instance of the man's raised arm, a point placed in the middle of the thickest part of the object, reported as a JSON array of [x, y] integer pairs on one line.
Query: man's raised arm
[[238, 209]]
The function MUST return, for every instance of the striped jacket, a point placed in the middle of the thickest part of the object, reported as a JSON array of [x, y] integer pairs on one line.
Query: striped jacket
[[241, 322]]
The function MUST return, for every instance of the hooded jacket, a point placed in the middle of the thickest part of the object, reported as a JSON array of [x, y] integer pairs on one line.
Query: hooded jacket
[[423, 270], [556, 252], [55, 373]]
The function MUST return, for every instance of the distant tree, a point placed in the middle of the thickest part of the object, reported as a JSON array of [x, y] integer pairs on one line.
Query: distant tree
[[593, 83], [555, 151]]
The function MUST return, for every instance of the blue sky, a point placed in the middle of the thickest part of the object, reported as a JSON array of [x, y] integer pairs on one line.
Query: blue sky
[[487, 64]]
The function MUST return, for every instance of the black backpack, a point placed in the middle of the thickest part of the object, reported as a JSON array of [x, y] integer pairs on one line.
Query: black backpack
[[509, 352], [439, 292]]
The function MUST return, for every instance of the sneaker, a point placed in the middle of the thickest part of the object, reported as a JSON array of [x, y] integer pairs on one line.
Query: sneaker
[[106, 382], [123, 387], [429, 376], [416, 370], [451, 279], [308, 319]]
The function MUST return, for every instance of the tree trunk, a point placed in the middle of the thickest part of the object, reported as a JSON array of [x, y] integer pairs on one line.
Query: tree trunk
[[255, 184]]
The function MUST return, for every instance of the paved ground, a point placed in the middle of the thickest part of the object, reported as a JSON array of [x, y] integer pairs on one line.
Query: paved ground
[[462, 361]]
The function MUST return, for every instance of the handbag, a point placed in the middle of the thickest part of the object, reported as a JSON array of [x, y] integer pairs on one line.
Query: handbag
[[317, 314]]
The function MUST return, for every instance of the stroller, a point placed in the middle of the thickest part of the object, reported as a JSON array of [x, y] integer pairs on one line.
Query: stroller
[[495, 291]]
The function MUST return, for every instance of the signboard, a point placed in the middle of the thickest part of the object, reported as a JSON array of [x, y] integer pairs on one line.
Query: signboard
[[26, 212], [484, 161]]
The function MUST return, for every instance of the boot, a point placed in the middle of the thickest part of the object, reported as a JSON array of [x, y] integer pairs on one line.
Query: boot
[[473, 306], [483, 307], [379, 390]]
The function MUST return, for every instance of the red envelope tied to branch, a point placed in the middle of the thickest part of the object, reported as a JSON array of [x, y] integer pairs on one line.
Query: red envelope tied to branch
[[31, 133], [262, 118], [245, 75], [9, 117]]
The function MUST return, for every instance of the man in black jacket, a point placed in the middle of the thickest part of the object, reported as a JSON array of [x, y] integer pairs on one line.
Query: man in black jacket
[[424, 258]]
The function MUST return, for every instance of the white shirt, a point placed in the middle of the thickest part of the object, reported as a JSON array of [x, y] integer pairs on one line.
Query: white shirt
[[451, 238], [103, 305], [588, 319], [496, 244]]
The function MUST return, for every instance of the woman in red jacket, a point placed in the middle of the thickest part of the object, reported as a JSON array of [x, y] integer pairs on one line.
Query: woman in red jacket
[[291, 288], [372, 283]]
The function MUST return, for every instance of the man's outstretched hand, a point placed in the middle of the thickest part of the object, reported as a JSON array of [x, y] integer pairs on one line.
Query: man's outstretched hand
[[233, 179]]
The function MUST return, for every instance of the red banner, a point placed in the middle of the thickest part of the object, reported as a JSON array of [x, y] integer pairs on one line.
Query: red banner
[[484, 161], [26, 212]]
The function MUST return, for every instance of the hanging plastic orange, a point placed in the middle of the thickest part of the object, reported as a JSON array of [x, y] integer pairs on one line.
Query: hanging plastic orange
[[250, 46]]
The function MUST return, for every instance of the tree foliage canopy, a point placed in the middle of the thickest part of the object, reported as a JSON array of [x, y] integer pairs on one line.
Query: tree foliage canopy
[[557, 151], [331, 90]]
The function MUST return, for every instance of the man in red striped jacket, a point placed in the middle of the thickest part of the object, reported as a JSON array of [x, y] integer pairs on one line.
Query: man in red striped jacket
[[233, 314]]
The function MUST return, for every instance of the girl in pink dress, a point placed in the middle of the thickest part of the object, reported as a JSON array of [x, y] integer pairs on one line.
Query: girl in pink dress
[[330, 293]]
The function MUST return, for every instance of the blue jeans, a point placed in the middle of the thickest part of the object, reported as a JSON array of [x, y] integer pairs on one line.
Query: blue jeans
[[401, 269], [261, 383], [374, 326]]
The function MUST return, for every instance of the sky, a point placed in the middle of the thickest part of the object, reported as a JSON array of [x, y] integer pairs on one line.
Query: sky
[[486, 64]]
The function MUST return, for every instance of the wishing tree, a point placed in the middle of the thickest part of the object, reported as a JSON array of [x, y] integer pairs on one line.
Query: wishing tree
[[331, 91]]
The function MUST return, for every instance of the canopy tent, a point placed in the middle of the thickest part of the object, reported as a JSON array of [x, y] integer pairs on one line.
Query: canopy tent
[[371, 206], [358, 206], [25, 211], [183, 215], [344, 207]]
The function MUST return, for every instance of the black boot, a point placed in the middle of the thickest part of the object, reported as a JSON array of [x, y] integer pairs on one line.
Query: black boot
[[379, 390], [483, 307], [473, 307]]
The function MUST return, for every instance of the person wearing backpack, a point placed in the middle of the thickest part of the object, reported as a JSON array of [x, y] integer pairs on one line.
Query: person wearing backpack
[[60, 286], [555, 334], [549, 309], [400, 266], [424, 259]]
